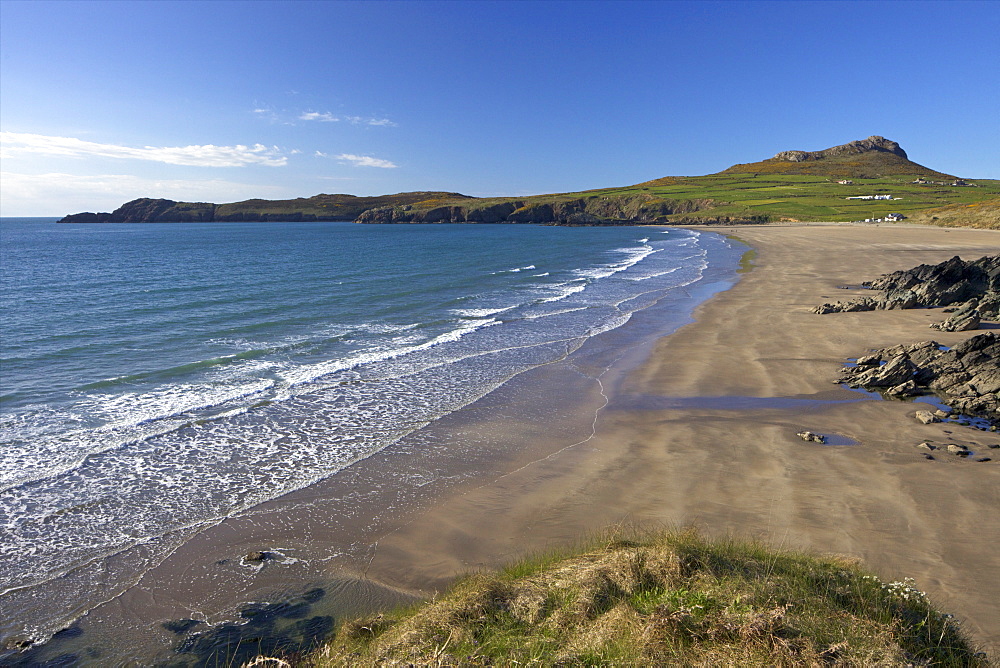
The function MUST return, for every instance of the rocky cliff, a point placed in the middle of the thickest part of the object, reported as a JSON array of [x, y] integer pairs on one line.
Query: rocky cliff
[[594, 210]]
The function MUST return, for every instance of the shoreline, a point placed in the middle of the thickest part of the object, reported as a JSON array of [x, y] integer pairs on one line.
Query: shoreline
[[682, 434], [327, 535], [743, 470]]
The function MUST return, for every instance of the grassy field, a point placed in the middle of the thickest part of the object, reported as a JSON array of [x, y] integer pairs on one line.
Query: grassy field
[[662, 599], [810, 198]]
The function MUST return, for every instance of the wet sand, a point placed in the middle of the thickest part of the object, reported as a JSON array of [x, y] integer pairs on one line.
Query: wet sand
[[703, 433]]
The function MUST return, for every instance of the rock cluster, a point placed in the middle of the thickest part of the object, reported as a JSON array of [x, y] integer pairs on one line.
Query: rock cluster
[[967, 376], [953, 281], [959, 450]]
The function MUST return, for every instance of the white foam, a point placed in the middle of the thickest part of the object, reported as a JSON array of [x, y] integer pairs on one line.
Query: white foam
[[311, 372], [564, 290], [513, 270], [481, 312]]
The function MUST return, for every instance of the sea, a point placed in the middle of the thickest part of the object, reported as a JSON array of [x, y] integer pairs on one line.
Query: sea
[[157, 379]]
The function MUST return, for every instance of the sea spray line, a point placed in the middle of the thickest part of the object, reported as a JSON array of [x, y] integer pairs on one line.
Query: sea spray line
[[445, 337], [184, 391]]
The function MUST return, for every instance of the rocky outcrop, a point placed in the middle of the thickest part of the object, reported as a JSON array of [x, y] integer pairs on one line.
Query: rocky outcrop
[[966, 377], [872, 144], [974, 284]]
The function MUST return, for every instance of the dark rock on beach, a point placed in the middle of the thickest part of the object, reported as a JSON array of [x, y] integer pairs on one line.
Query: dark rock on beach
[[975, 284], [967, 376], [964, 318]]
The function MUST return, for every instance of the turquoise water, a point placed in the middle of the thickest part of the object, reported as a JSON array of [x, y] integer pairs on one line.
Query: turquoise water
[[157, 378]]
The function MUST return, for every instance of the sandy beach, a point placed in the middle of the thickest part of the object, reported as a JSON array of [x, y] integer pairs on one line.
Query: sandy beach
[[703, 432]]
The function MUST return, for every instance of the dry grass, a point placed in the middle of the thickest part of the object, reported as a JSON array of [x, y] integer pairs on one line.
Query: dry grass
[[983, 215], [664, 599]]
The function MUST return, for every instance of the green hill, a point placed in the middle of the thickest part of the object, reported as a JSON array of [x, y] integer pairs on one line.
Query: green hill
[[872, 158], [834, 184]]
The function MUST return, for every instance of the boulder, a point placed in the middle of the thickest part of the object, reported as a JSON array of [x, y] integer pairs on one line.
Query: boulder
[[964, 318], [927, 417], [909, 388], [894, 372]]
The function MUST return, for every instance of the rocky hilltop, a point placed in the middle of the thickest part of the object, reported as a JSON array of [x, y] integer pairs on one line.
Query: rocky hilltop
[[874, 157], [872, 144]]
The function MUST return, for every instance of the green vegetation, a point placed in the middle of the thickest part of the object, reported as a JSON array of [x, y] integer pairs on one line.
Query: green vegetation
[[792, 186], [323, 207], [663, 599], [810, 198]]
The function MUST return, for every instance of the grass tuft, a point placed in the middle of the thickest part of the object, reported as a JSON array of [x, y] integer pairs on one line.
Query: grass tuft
[[663, 599]]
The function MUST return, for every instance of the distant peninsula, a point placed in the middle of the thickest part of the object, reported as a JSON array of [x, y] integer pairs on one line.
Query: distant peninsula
[[869, 180]]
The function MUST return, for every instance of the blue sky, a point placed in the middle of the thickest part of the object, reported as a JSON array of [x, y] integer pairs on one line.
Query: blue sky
[[102, 102]]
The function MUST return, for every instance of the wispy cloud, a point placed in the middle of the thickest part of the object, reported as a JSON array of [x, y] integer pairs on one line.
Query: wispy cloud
[[59, 194], [325, 116], [207, 155], [366, 161], [361, 120]]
